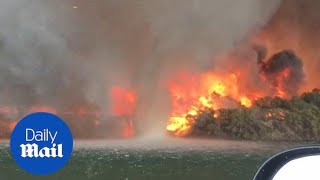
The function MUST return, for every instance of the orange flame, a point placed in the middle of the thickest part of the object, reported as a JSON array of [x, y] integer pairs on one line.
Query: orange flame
[[245, 101], [193, 93], [123, 104], [123, 101], [280, 78]]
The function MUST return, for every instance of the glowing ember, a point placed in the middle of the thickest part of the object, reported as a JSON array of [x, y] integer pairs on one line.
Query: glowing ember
[[216, 115], [269, 115], [279, 115]]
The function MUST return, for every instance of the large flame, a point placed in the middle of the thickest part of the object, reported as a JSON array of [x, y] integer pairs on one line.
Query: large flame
[[192, 93], [276, 72]]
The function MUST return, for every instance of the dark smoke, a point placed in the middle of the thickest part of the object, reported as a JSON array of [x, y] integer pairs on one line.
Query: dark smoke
[[295, 26], [284, 62]]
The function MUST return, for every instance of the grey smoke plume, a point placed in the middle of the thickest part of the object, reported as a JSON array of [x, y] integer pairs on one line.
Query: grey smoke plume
[[66, 52], [284, 62]]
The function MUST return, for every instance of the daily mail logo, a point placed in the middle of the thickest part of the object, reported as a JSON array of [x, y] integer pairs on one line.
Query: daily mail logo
[[32, 150], [41, 143]]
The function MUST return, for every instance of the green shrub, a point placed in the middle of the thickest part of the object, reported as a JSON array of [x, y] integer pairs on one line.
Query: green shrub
[[269, 119]]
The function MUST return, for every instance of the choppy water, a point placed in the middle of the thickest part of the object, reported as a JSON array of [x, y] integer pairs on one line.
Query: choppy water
[[155, 159]]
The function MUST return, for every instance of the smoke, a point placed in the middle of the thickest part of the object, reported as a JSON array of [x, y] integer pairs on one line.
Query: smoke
[[36, 64], [294, 26], [285, 71], [66, 53]]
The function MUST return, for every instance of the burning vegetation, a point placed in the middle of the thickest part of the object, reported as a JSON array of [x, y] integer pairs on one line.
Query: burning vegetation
[[280, 76], [250, 88], [257, 95], [269, 118], [86, 120], [216, 105]]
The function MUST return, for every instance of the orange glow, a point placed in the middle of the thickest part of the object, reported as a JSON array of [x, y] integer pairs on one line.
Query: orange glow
[[269, 115], [216, 115], [279, 86], [193, 111], [12, 125], [193, 93], [279, 115], [206, 102], [217, 87], [123, 103], [245, 101], [128, 130], [180, 126]]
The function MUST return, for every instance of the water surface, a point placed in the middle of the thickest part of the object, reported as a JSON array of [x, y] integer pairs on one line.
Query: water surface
[[155, 159]]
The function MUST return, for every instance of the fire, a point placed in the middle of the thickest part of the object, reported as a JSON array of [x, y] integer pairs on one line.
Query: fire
[[218, 87], [123, 102], [128, 130], [189, 98], [206, 102], [245, 101], [280, 115], [179, 125], [280, 74]]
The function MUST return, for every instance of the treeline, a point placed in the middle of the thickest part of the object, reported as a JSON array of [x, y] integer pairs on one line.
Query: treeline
[[297, 119]]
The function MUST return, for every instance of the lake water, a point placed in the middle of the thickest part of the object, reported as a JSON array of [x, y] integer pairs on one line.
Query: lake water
[[155, 159]]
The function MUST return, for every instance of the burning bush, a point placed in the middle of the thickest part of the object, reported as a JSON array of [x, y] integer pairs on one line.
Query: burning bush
[[280, 76], [268, 119]]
